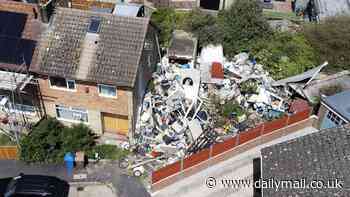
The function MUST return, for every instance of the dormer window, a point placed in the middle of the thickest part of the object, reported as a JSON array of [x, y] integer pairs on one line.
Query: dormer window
[[94, 25]]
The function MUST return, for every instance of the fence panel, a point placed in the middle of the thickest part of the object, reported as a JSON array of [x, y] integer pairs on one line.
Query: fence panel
[[299, 116], [166, 171], [8, 152], [251, 134], [224, 146], [196, 158], [275, 124]]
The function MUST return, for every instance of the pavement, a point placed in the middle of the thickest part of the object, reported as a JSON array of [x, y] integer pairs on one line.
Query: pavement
[[92, 190], [104, 175], [239, 167]]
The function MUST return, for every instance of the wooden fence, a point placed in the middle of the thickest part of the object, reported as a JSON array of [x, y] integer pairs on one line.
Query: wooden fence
[[229, 144], [8, 152]]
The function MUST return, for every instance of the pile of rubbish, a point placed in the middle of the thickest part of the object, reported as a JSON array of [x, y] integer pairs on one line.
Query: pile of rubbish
[[173, 116], [181, 111]]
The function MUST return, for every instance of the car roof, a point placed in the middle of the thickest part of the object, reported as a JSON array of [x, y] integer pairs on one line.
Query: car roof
[[37, 184]]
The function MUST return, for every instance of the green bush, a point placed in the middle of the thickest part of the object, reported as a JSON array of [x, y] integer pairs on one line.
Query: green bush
[[107, 151], [229, 108], [331, 40], [50, 140], [203, 26], [6, 141], [241, 26], [164, 19], [285, 54]]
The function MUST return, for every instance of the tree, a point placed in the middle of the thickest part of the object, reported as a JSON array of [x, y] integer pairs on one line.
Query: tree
[[203, 26], [331, 40], [50, 140], [241, 26], [164, 19]]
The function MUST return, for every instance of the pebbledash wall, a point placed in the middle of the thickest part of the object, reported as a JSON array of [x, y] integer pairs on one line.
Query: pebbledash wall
[[261, 134]]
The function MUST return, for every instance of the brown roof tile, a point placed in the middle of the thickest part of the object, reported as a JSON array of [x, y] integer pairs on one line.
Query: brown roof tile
[[116, 59]]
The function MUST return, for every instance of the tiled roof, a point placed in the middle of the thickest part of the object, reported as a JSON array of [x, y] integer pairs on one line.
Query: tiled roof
[[324, 155], [112, 59]]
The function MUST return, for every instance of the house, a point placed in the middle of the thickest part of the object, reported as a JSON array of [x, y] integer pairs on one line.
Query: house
[[315, 160], [334, 110], [20, 27], [94, 68]]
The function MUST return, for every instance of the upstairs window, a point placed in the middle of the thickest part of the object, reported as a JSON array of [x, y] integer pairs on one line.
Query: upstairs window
[[62, 83], [94, 25], [107, 90]]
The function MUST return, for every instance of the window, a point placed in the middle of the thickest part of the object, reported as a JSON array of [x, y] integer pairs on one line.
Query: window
[[94, 25], [71, 113], [57, 82], [107, 90]]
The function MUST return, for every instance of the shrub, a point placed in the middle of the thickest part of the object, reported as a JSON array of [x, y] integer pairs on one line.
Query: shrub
[[203, 26], [107, 151], [285, 54], [229, 108], [241, 26], [6, 141], [164, 19], [331, 40], [50, 140]]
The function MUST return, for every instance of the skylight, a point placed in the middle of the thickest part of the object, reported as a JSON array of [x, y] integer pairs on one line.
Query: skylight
[[94, 25]]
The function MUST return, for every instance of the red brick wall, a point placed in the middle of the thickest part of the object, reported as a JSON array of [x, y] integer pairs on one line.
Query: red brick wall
[[87, 100]]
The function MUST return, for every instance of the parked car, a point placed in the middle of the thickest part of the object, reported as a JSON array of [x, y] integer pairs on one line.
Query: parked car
[[33, 186]]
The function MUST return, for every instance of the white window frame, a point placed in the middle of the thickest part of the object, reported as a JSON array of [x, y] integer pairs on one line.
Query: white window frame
[[70, 120], [107, 96], [66, 88]]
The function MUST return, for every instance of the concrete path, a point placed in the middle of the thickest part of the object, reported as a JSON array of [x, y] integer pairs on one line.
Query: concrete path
[[238, 167], [95, 190]]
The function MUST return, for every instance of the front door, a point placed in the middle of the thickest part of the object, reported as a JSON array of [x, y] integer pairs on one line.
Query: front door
[[113, 123]]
